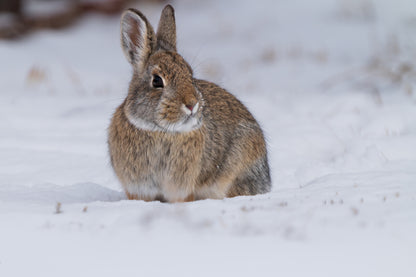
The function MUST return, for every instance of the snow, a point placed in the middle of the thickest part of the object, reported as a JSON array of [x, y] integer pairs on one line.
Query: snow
[[341, 136], [42, 8]]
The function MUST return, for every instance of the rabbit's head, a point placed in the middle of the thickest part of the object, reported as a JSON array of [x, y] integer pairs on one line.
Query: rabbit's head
[[162, 94]]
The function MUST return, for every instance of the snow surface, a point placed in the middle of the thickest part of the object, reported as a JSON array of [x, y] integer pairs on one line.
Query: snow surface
[[331, 81]]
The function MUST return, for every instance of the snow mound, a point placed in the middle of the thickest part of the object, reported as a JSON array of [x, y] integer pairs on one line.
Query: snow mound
[[50, 193]]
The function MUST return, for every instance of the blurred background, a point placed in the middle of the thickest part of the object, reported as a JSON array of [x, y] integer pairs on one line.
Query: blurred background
[[380, 34], [332, 83], [19, 17]]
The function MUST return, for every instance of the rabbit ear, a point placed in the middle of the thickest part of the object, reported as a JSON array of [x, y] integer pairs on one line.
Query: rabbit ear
[[137, 37], [166, 31]]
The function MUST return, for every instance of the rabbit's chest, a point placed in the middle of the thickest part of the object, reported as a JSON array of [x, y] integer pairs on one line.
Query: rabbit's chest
[[151, 164], [172, 159]]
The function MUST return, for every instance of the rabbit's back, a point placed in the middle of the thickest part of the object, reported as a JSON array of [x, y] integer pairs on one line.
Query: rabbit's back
[[234, 146]]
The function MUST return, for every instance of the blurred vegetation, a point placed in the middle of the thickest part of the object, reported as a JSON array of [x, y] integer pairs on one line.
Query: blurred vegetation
[[19, 17]]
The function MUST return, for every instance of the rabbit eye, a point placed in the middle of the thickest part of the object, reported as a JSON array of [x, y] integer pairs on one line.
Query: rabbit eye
[[157, 81]]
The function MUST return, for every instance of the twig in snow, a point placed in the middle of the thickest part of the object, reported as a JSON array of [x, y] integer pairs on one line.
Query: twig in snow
[[58, 208]]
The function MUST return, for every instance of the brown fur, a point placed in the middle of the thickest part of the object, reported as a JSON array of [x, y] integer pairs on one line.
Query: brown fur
[[224, 156]]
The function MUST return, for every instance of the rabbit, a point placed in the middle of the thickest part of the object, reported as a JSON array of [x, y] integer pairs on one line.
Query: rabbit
[[176, 138]]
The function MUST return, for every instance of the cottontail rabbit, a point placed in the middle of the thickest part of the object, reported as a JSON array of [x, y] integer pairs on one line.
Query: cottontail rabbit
[[177, 138]]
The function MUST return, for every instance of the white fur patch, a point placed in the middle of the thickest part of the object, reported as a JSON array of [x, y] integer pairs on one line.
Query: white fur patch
[[143, 124], [212, 191], [180, 127], [195, 109], [143, 191], [150, 191]]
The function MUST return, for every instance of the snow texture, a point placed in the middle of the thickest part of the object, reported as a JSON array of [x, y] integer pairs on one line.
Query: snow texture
[[332, 82]]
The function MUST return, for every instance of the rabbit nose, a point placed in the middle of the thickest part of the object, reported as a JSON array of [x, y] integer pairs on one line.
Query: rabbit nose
[[191, 108]]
